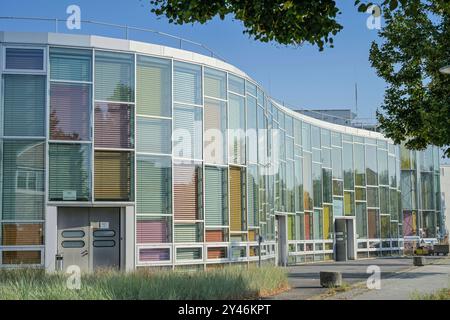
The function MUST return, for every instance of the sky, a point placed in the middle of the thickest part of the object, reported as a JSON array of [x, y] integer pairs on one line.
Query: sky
[[302, 76]]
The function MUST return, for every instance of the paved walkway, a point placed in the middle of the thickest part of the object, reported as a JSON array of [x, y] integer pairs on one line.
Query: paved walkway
[[405, 285], [305, 282]]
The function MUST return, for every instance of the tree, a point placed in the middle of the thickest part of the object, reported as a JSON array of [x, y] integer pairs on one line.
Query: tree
[[291, 22], [415, 45]]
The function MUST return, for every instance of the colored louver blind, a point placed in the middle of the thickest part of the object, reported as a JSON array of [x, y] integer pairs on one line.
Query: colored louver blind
[[23, 180], [70, 109], [154, 86], [187, 133], [153, 230], [21, 257], [24, 59], [187, 83], [69, 172], [114, 125], [216, 196], [113, 175], [154, 185], [114, 77], [70, 64], [154, 254], [26, 234], [184, 233], [187, 186], [215, 132], [153, 135], [217, 253], [24, 105], [236, 210], [214, 235], [189, 253]]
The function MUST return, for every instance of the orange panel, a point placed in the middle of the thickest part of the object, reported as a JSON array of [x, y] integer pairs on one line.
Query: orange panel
[[214, 236], [21, 257], [22, 234], [217, 253]]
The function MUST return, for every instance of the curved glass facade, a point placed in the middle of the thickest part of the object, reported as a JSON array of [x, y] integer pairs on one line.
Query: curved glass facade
[[205, 158]]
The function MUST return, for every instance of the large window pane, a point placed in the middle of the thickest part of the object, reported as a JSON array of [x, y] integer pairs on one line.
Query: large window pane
[[23, 180], [348, 166], [151, 229], [70, 111], [114, 76], [70, 64], [154, 83], [188, 191], [336, 159], [215, 83], [327, 186], [113, 176], [215, 132], [236, 84], [24, 105], [373, 223], [187, 83], [153, 135], [22, 234], [187, 132], [371, 165], [114, 125], [383, 167], [237, 129], [318, 224], [252, 195], [360, 167], [361, 220], [317, 184], [69, 175], [349, 203], [216, 193], [154, 185], [307, 182]]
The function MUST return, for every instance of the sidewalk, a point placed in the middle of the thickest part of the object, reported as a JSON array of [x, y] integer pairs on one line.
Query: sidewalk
[[305, 282]]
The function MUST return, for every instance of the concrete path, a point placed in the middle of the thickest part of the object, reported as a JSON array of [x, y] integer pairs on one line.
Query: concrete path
[[305, 283], [406, 285]]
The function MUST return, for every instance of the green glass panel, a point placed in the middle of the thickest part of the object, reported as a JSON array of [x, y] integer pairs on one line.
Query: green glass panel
[[187, 83], [216, 199], [70, 64]]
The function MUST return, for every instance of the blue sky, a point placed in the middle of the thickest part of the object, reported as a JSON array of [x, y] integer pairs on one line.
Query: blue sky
[[301, 76]]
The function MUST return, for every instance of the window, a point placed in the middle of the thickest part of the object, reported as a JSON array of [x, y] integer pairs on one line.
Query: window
[[383, 167], [188, 191], [113, 176], [251, 88], [237, 196], [70, 109], [349, 203], [23, 180], [215, 147], [153, 135], [73, 244], [188, 232], [216, 193], [24, 105], [360, 167], [154, 83], [237, 129], [373, 221], [317, 184], [187, 83], [70, 64], [151, 229], [154, 185], [251, 133], [361, 220], [349, 181], [236, 84], [215, 84], [114, 76], [72, 234], [22, 234], [22, 257], [114, 125], [24, 59], [187, 132], [69, 173], [252, 195], [371, 165]]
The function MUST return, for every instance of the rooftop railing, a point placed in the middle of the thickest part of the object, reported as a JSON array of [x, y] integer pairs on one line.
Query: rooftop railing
[[125, 32]]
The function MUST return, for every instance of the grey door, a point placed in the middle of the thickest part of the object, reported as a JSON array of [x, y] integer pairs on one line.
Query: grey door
[[105, 226], [74, 237], [341, 239], [89, 237]]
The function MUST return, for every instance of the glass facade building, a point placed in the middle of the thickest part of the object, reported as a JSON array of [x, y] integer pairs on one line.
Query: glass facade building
[[197, 158]]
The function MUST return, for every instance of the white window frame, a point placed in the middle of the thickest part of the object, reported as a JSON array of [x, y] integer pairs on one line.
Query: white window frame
[[24, 71]]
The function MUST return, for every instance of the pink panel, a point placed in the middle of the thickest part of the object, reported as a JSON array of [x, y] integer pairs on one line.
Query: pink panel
[[154, 254], [152, 231]]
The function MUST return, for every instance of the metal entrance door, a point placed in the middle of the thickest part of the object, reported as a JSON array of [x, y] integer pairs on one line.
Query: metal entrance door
[[89, 238], [341, 239]]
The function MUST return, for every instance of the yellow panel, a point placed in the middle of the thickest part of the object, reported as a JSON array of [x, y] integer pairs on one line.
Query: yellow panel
[[235, 199]]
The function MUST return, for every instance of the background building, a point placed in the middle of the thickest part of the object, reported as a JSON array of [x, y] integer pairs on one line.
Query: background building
[[445, 196], [124, 154]]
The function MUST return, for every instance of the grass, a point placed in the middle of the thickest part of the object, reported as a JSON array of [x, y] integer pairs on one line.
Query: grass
[[232, 282], [442, 294]]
